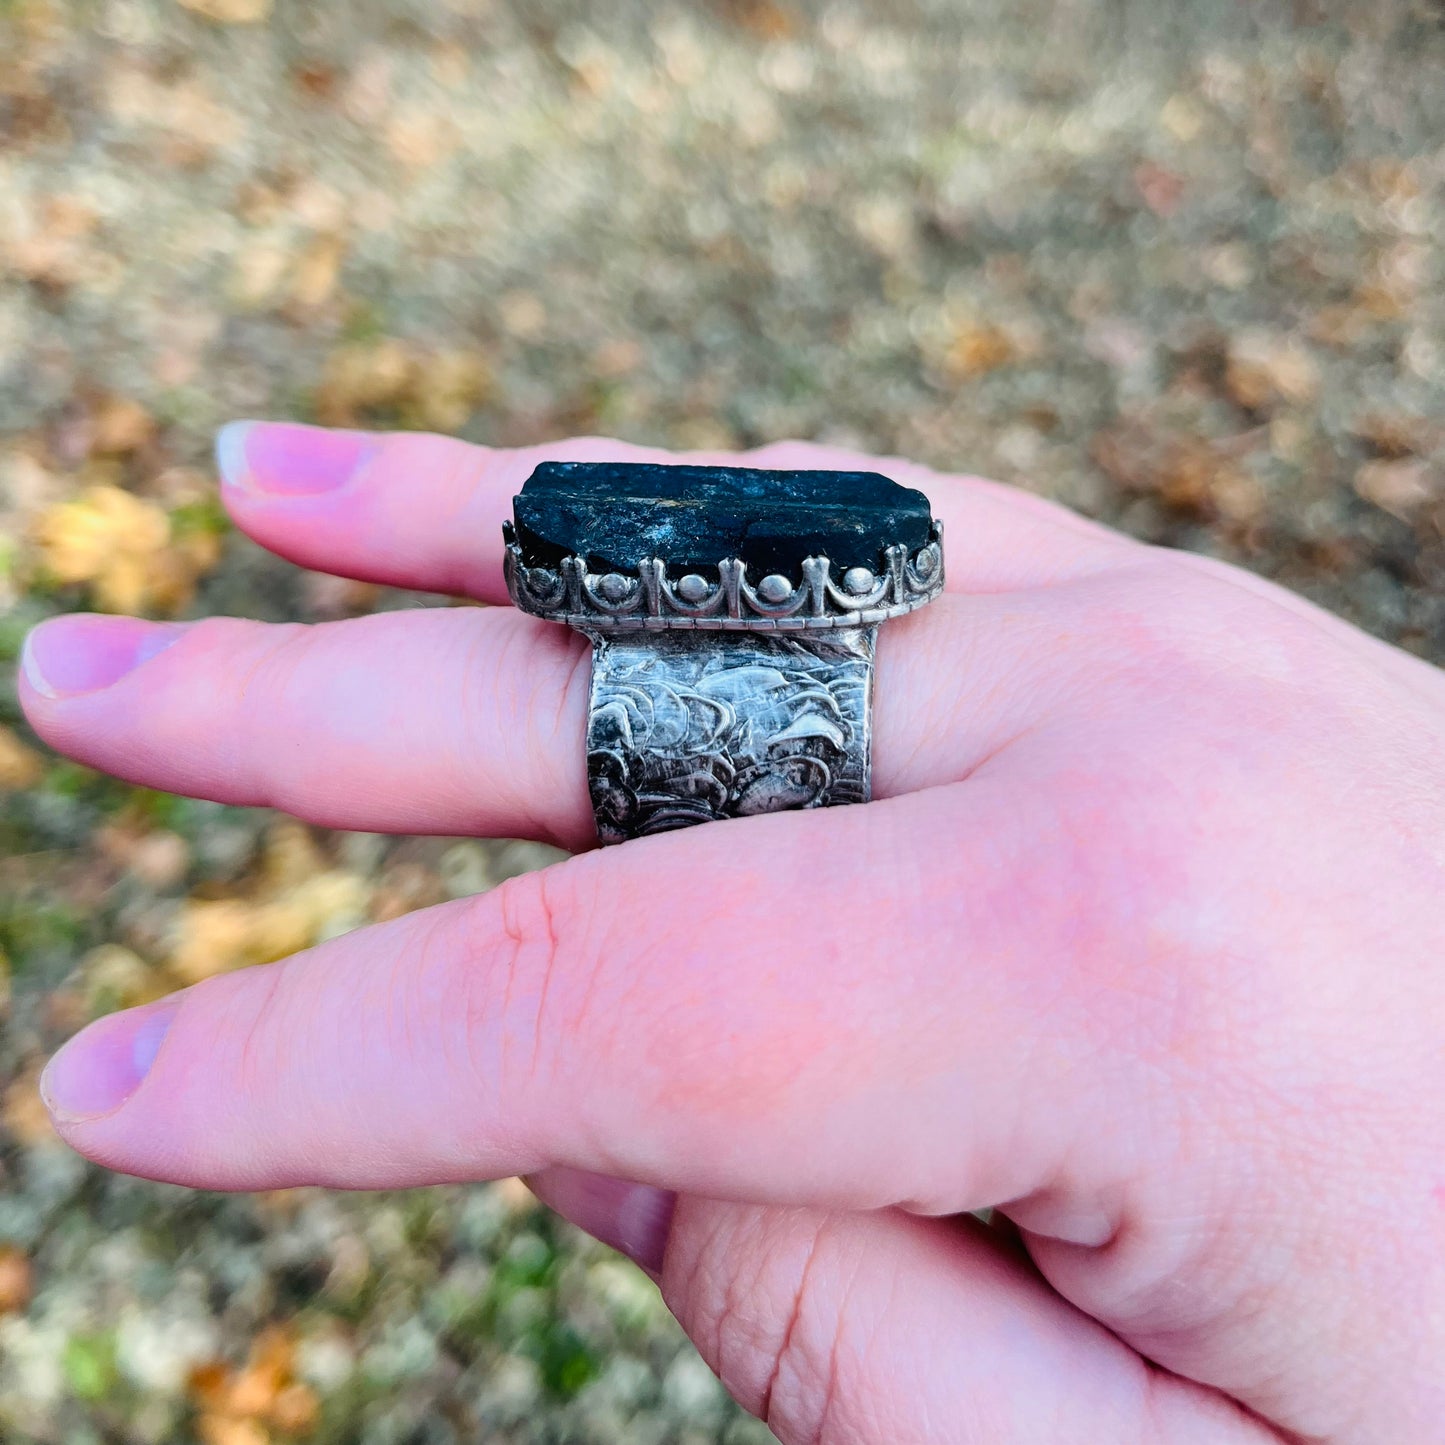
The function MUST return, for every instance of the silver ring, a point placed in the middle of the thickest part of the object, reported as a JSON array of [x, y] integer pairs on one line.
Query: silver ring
[[732, 614]]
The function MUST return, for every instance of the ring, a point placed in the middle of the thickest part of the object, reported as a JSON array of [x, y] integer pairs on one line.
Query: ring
[[732, 613]]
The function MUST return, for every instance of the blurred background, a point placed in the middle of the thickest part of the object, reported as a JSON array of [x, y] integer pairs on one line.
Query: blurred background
[[1176, 264]]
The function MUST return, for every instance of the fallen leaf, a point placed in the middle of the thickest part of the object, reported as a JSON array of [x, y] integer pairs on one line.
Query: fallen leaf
[[231, 12], [1398, 487], [403, 888], [207, 1384], [1184, 472], [886, 223], [117, 976], [156, 856], [68, 216], [260, 267], [364, 376], [1263, 370], [1182, 117], [223, 1430], [1395, 434], [1341, 326], [421, 139], [160, 860], [295, 1409], [314, 280], [523, 314], [975, 350], [20, 766], [291, 855], [764, 18], [120, 545], [239, 1405], [81, 540], [212, 936], [449, 387], [22, 1111], [16, 1280], [193, 123], [254, 1389], [120, 426]]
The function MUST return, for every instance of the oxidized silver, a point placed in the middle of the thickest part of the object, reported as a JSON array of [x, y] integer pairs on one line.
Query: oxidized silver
[[771, 711], [653, 601]]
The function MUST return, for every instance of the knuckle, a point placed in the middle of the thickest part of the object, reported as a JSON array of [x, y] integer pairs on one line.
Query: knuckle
[[757, 1299], [518, 978], [257, 1061], [266, 680]]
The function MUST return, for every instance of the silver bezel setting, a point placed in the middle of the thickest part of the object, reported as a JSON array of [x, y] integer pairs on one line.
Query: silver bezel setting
[[653, 600]]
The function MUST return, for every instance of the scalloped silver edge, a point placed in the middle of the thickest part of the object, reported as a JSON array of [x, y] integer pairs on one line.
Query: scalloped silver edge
[[649, 600]]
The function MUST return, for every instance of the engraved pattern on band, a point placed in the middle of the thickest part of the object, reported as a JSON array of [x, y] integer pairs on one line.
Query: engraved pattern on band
[[681, 732]]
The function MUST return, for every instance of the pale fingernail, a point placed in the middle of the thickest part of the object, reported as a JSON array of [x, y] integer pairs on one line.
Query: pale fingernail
[[103, 1065], [285, 459], [84, 652], [634, 1219]]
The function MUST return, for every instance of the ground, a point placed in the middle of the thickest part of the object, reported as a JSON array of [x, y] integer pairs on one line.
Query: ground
[[1176, 264]]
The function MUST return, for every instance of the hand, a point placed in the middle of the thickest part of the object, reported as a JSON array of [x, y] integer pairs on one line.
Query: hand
[[1142, 945]]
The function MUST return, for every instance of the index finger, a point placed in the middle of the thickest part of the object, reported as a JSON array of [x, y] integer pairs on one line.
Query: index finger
[[421, 511]]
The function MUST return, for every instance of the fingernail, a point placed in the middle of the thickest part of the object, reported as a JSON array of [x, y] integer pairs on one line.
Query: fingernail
[[634, 1219], [84, 652], [284, 459], [103, 1065]]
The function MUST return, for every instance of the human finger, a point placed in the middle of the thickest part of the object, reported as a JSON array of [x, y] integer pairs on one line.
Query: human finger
[[886, 1326]]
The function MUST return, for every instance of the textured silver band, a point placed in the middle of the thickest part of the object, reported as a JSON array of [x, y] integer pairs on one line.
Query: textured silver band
[[716, 697], [683, 730]]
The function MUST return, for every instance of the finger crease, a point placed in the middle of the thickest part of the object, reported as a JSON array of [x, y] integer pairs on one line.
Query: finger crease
[[549, 967], [795, 1315]]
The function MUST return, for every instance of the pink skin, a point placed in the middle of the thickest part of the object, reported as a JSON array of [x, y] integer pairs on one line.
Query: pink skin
[[1141, 944]]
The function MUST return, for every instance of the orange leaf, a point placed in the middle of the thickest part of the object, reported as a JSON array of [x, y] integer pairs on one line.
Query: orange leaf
[[16, 1280]]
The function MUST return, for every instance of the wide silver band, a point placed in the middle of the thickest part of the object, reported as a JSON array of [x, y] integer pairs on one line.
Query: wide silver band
[[723, 698], [683, 730]]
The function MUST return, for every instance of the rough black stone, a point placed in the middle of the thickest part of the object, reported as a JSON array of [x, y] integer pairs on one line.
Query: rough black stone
[[616, 514]]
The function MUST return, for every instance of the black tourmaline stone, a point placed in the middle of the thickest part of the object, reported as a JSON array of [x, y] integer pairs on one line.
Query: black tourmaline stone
[[617, 514]]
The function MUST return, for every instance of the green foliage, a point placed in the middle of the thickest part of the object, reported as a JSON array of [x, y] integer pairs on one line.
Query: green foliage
[[566, 1360], [32, 927], [205, 516], [89, 1365]]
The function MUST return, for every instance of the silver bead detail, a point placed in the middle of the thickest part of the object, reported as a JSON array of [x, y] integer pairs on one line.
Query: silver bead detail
[[775, 588], [857, 581], [692, 588], [927, 561], [613, 587]]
